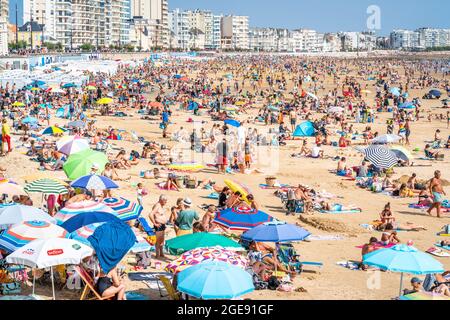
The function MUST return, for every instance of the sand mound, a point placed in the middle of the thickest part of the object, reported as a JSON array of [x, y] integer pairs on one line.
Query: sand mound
[[329, 225], [404, 179]]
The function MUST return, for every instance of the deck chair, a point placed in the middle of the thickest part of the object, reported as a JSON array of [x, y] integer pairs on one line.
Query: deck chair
[[173, 294], [287, 256], [89, 286]]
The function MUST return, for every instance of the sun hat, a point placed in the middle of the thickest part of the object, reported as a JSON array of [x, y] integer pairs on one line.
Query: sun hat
[[187, 202], [94, 166], [416, 280]]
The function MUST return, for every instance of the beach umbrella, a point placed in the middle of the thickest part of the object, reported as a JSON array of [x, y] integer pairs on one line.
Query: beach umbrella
[[91, 88], [395, 91], [181, 244], [424, 296], [53, 130], [124, 209], [94, 182], [10, 188], [199, 255], [276, 231], [35, 89], [215, 280], [68, 85], [20, 234], [37, 83], [87, 218], [18, 104], [46, 186], [76, 124], [186, 167], [44, 253], [380, 156], [12, 215], [232, 122], [402, 153], [435, 92], [386, 138], [406, 105], [80, 207], [241, 218], [105, 101], [404, 259], [29, 120], [111, 242], [73, 146], [79, 164]]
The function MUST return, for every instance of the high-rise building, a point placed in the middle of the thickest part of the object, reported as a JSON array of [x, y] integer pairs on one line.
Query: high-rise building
[[4, 20], [235, 33], [405, 39], [117, 15], [44, 13], [212, 30], [155, 12]]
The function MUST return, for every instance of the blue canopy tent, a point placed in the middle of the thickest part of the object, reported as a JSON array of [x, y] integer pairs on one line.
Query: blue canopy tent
[[305, 129]]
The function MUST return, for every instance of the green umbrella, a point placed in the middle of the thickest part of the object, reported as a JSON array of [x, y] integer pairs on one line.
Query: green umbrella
[[181, 244], [80, 164]]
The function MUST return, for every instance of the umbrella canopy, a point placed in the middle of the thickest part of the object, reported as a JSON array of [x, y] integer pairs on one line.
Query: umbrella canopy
[[46, 186], [94, 182], [19, 235], [424, 296], [19, 213], [68, 85], [435, 92], [111, 242], [79, 164], [76, 208], [386, 138], [276, 231], [380, 156], [395, 91], [11, 188], [407, 105], [37, 83], [29, 120], [105, 101], [196, 256], [241, 218], [232, 122], [188, 242], [87, 218], [53, 130], [402, 153], [72, 145], [215, 280], [124, 209], [18, 104], [44, 253]]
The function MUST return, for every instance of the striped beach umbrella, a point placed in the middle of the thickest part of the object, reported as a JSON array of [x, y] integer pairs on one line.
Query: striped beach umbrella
[[124, 209], [46, 186], [402, 153], [380, 156], [76, 208], [94, 182], [53, 130], [72, 144], [19, 235], [241, 218], [19, 213], [11, 188]]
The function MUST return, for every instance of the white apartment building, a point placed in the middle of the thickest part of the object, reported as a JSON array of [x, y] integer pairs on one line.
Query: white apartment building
[[362, 41], [331, 43], [156, 12], [117, 22], [235, 32], [404, 39], [306, 40], [4, 18], [263, 39], [212, 30], [179, 29], [283, 40], [432, 38]]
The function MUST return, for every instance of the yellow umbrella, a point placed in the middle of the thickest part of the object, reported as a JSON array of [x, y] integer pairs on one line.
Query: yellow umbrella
[[105, 101], [240, 103], [18, 104], [91, 88], [35, 89]]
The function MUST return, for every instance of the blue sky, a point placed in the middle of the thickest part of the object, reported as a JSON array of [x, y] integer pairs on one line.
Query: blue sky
[[329, 15]]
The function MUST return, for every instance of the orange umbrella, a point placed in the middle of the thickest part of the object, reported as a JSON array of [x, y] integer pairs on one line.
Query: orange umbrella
[[156, 104]]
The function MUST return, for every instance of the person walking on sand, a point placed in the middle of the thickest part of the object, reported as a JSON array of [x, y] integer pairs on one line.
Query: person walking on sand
[[438, 192], [6, 136], [159, 220]]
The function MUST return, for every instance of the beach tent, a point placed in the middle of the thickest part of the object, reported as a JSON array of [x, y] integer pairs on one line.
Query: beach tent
[[305, 129]]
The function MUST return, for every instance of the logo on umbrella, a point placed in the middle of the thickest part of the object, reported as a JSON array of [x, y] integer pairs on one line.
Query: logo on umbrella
[[76, 246], [29, 252], [55, 252]]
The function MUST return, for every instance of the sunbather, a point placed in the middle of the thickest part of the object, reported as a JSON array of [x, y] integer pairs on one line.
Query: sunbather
[[109, 284], [368, 248]]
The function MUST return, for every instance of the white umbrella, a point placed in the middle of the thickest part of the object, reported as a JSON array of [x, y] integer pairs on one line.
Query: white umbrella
[[386, 138], [19, 213], [44, 253]]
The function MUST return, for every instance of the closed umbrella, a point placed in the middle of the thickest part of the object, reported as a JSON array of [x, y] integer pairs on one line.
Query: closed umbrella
[[188, 242], [77, 208], [19, 213], [215, 280], [404, 259], [46, 186], [20, 234], [79, 164], [94, 182], [241, 218], [386, 138], [124, 209], [380, 156]]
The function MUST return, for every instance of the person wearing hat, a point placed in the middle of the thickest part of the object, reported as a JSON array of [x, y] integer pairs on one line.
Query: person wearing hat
[[186, 218], [416, 284]]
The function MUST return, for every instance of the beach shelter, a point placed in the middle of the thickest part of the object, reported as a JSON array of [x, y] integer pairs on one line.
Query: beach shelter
[[305, 129], [10, 188], [181, 244], [404, 259], [46, 186], [386, 138], [87, 218], [380, 156], [79, 164], [124, 209], [45, 253], [29, 120], [19, 213], [215, 280], [94, 182], [276, 231], [193, 257], [241, 218], [63, 112], [395, 91], [76, 208], [72, 144], [402, 153], [20, 234], [53, 130]]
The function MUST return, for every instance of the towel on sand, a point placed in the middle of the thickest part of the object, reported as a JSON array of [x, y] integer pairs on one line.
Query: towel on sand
[[379, 245], [324, 237]]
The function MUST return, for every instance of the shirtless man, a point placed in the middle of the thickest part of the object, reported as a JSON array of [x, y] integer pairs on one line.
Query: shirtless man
[[301, 194], [438, 192]]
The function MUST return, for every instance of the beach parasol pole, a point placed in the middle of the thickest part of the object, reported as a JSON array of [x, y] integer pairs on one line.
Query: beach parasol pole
[[401, 285], [53, 282], [34, 278]]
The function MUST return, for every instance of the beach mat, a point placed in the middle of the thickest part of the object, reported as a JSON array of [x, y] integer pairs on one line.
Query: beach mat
[[324, 238], [213, 196], [444, 247], [438, 252], [340, 212]]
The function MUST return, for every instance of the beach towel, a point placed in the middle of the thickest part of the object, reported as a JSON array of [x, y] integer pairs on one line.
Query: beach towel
[[352, 265], [441, 246], [145, 276], [133, 295], [324, 238], [111, 242], [438, 252], [340, 211], [213, 196], [281, 186]]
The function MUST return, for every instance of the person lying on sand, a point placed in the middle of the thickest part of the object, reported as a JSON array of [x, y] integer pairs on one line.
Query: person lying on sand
[[263, 258], [368, 248]]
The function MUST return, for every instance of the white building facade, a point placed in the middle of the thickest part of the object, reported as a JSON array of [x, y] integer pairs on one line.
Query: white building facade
[[4, 20], [235, 33]]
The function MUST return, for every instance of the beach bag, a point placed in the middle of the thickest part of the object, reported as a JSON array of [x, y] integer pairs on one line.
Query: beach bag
[[286, 287], [143, 259], [12, 288], [273, 283]]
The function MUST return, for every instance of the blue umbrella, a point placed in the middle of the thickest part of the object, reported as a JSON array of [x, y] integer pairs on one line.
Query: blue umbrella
[[94, 182], [436, 93], [406, 105], [395, 91], [37, 83], [46, 105], [111, 242], [30, 120], [405, 259], [68, 85], [232, 122], [276, 231], [241, 219], [215, 280], [87, 218]]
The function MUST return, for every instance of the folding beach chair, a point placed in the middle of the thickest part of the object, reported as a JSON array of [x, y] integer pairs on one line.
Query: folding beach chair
[[89, 286], [287, 256], [173, 294], [144, 224]]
